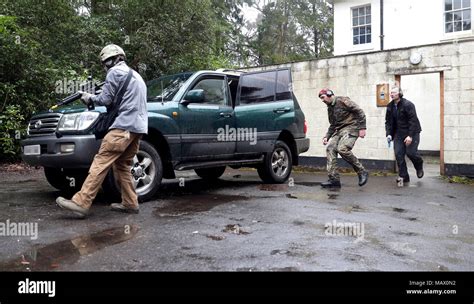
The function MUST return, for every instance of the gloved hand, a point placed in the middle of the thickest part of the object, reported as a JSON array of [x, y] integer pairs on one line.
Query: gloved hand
[[389, 140], [85, 97]]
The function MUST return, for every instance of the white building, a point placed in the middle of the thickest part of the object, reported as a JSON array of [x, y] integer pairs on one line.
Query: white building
[[427, 46]]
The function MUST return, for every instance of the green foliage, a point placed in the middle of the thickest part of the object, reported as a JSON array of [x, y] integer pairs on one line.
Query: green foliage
[[11, 130], [47, 42]]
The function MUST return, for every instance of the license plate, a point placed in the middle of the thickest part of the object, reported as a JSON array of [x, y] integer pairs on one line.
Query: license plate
[[32, 150]]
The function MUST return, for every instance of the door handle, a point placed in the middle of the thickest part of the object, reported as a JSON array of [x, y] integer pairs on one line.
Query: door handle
[[226, 115], [282, 110]]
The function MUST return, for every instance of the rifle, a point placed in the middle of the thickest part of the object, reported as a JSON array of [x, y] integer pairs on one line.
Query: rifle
[[85, 87]]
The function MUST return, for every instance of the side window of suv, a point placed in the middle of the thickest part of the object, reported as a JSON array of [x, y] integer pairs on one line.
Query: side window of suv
[[283, 88], [214, 90], [257, 88]]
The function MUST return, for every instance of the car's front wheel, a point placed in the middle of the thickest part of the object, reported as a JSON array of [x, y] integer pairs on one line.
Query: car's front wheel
[[147, 172], [277, 165], [65, 180]]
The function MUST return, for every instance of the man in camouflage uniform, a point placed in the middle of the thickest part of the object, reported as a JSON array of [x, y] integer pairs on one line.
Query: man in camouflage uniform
[[347, 123]]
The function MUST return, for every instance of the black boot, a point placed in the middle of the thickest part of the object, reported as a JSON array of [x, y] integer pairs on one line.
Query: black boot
[[363, 177], [331, 184], [420, 173]]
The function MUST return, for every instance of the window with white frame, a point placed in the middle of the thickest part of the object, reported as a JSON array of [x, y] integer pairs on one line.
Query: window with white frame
[[361, 25], [457, 15]]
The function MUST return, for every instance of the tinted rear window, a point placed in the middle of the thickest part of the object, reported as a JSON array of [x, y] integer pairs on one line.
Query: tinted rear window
[[257, 88], [283, 85]]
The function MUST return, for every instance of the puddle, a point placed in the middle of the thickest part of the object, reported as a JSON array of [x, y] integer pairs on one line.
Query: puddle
[[298, 223], [273, 187], [183, 205], [215, 237], [403, 233], [317, 197], [68, 252], [399, 210], [310, 184]]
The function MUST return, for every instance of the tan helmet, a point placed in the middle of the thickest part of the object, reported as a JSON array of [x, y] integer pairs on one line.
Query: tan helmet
[[110, 50]]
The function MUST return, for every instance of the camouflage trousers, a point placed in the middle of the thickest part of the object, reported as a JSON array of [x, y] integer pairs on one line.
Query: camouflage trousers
[[342, 142]]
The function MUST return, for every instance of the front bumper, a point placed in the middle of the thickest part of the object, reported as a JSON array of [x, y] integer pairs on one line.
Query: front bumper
[[85, 148]]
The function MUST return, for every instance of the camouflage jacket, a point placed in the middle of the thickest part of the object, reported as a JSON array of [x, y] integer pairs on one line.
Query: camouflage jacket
[[343, 113]]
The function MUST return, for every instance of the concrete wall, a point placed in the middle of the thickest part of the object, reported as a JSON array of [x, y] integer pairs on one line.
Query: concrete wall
[[406, 23], [357, 75]]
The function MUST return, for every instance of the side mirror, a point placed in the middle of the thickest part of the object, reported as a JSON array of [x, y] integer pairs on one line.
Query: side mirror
[[193, 96]]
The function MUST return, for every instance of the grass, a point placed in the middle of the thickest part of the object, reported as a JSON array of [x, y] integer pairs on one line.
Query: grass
[[348, 171], [459, 180]]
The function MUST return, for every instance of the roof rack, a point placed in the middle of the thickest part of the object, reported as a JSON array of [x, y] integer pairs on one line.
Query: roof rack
[[230, 70]]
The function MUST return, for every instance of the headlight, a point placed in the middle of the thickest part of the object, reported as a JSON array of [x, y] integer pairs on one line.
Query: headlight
[[77, 121]]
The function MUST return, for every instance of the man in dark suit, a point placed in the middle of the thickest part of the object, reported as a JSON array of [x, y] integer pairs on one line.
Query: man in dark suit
[[403, 127]]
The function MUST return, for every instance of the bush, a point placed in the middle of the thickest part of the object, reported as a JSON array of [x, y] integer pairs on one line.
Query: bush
[[11, 131]]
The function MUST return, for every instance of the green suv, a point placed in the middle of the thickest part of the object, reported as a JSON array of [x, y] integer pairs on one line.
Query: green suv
[[202, 121]]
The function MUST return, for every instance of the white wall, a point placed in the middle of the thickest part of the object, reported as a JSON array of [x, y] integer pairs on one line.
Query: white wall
[[406, 23], [357, 76]]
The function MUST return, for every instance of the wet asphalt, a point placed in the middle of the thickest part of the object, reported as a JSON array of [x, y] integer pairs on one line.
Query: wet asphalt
[[239, 224]]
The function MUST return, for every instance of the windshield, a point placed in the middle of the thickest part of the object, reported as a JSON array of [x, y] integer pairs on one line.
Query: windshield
[[165, 87]]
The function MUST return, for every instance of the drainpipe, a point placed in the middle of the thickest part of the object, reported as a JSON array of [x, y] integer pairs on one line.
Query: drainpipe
[[381, 25]]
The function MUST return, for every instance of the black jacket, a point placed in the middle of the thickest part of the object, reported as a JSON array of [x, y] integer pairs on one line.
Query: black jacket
[[406, 122]]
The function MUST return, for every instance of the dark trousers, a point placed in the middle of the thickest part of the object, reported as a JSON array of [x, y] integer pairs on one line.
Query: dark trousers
[[411, 151]]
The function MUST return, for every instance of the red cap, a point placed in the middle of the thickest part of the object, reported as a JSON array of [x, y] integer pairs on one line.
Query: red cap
[[326, 92]]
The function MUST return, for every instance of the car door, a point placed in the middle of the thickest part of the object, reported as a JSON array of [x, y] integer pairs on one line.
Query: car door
[[204, 125], [265, 107]]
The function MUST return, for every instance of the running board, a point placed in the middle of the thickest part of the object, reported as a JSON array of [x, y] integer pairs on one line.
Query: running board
[[212, 164]]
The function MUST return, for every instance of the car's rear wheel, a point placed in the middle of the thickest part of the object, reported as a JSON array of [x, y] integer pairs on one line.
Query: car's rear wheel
[[210, 173], [277, 165], [147, 172]]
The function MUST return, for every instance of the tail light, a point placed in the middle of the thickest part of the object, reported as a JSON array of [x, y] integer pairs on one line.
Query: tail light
[[305, 129]]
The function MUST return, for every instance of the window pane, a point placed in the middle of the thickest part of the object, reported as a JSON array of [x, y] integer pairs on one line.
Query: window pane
[[369, 39], [355, 13], [368, 19], [448, 5], [361, 20], [283, 85], [367, 10], [466, 15], [362, 39], [361, 11], [355, 32], [466, 25], [456, 4], [448, 17], [449, 27], [457, 16], [355, 40], [258, 88], [214, 91], [362, 30], [355, 21], [369, 29], [466, 3], [457, 26]]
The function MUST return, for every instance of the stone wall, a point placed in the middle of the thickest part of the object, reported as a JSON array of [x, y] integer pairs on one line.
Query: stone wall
[[357, 75]]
